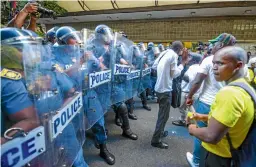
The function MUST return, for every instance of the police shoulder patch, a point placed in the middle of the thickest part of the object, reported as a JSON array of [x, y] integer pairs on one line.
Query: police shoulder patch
[[58, 68], [13, 75]]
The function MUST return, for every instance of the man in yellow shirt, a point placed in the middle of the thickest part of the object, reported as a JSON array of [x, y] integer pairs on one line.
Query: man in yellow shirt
[[232, 111]]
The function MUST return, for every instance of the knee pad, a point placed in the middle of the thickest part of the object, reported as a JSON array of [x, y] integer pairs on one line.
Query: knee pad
[[122, 108]]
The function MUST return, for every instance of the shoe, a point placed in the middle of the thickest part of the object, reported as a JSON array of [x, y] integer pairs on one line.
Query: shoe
[[179, 123], [147, 107], [161, 145], [132, 116], [130, 135], [106, 155], [164, 134], [118, 121], [189, 158]]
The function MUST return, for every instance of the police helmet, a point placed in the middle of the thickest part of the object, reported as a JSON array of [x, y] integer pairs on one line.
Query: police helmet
[[34, 35], [13, 36], [142, 47], [104, 33], [64, 33], [51, 34], [161, 47], [150, 45], [136, 50]]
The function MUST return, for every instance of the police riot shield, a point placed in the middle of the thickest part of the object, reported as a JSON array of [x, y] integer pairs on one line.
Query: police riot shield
[[121, 66], [57, 98], [96, 76], [22, 140], [134, 77], [69, 59]]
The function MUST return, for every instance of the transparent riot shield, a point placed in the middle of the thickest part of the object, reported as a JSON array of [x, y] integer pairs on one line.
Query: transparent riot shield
[[96, 79], [56, 92], [23, 140], [134, 78], [121, 66]]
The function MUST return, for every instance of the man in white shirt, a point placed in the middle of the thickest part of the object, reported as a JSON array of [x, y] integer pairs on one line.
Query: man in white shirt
[[167, 70], [209, 90], [186, 84]]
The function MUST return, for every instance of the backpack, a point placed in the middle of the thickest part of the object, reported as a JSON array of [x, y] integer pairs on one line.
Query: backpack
[[245, 155]]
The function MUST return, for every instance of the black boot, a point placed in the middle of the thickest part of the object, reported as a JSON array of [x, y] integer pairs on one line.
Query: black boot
[[144, 101], [126, 126], [129, 134], [131, 115], [118, 120], [106, 155]]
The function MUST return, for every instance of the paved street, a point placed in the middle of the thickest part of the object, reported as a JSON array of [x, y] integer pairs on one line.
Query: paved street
[[140, 153]]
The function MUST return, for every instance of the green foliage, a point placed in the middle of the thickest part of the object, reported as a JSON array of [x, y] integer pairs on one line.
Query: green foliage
[[52, 5], [7, 13]]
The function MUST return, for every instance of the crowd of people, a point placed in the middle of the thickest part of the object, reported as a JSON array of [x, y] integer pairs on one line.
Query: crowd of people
[[63, 84]]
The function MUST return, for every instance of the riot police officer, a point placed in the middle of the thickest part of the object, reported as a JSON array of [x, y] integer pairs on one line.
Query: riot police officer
[[129, 85], [102, 49], [161, 47], [17, 107], [145, 80], [137, 59], [67, 36], [57, 87], [50, 35]]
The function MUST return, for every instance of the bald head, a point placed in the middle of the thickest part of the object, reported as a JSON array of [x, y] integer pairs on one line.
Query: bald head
[[228, 63], [233, 52], [177, 46]]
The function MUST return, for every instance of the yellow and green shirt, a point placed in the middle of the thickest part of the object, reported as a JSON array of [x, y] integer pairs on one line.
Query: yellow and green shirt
[[252, 78], [234, 108]]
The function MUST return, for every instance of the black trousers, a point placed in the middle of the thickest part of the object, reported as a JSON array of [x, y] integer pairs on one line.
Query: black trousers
[[208, 159]]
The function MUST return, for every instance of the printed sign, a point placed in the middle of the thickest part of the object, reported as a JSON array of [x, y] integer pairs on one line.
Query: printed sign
[[65, 115], [21, 150], [134, 74], [146, 71], [121, 69], [98, 78]]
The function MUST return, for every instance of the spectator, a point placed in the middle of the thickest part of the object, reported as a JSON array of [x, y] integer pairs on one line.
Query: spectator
[[249, 54], [186, 84], [167, 70], [251, 72], [232, 111], [19, 19], [209, 89]]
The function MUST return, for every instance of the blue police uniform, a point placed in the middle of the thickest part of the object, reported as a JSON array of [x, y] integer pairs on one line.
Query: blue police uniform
[[133, 86], [92, 106], [147, 78], [119, 82], [14, 97], [52, 100]]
